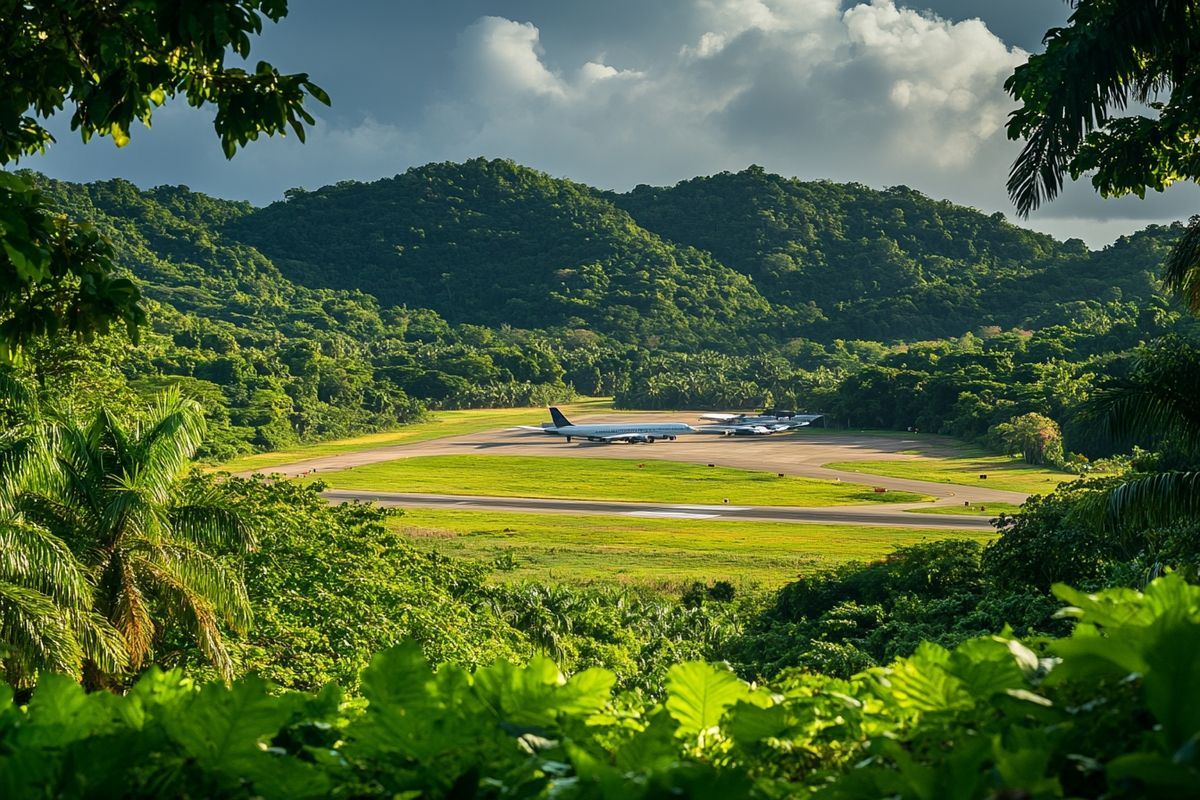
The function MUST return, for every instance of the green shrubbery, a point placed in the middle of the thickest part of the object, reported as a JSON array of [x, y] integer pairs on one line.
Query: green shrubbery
[[1108, 711]]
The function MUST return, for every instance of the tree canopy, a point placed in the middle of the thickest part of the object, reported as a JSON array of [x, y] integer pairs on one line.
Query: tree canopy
[[112, 64], [1114, 95]]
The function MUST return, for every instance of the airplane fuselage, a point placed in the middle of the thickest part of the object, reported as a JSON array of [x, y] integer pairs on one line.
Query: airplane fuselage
[[644, 432]]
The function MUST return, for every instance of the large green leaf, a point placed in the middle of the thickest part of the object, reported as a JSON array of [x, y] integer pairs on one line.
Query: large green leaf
[[698, 695], [226, 732]]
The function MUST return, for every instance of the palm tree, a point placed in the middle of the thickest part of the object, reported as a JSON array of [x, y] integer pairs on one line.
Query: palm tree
[[1181, 273], [153, 543], [1160, 400], [47, 622], [1112, 96]]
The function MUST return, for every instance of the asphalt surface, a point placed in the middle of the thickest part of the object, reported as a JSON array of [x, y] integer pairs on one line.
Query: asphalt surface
[[875, 515]]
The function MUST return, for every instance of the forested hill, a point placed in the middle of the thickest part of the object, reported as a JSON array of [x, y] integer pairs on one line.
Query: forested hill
[[492, 242], [356, 306], [893, 264]]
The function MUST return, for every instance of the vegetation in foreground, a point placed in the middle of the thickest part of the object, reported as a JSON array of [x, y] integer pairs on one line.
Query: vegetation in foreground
[[664, 554], [1101, 713], [603, 479]]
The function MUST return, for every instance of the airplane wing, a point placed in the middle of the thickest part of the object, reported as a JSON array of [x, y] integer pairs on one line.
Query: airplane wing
[[622, 437], [720, 417], [537, 428]]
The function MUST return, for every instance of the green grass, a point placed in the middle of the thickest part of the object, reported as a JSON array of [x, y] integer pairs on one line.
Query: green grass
[[439, 425], [602, 479], [1003, 472], [976, 509], [655, 552]]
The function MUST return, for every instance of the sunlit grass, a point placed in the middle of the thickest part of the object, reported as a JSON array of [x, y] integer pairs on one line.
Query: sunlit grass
[[975, 509], [602, 479], [440, 424], [1003, 472], [657, 552]]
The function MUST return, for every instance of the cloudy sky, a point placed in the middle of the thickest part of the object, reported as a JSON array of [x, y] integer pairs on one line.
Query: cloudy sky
[[620, 92]]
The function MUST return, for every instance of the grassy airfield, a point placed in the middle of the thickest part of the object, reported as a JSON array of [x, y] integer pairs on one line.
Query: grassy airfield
[[603, 479], [974, 510], [1003, 472], [439, 425], [661, 553]]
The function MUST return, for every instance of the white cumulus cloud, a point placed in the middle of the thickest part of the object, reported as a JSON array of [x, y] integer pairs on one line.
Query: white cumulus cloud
[[874, 93]]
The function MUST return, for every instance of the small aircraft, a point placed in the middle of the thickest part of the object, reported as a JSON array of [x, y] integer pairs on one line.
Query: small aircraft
[[612, 432]]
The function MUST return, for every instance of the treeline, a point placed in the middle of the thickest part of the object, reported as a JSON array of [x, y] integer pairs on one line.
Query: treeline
[[229, 577], [962, 387], [658, 324], [727, 262], [276, 363]]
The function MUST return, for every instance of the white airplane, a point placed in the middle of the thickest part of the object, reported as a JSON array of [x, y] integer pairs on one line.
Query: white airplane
[[612, 432], [755, 424]]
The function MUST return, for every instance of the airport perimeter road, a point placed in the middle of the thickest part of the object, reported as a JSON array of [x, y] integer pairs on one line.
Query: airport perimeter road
[[883, 516], [792, 454]]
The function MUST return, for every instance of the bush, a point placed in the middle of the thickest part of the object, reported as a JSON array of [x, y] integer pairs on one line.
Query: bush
[[1108, 711]]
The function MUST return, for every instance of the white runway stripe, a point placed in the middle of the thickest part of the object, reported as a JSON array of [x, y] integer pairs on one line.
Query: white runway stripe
[[710, 508], [670, 514]]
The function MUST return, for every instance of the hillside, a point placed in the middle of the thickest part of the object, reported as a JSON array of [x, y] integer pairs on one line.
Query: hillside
[[709, 261], [494, 243], [357, 306], [891, 264], [275, 361]]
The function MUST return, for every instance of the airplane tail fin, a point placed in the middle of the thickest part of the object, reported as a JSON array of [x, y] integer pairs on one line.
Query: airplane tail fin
[[559, 420]]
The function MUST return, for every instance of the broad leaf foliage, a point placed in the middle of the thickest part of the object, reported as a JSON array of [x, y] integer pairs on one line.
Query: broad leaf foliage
[[1110, 710]]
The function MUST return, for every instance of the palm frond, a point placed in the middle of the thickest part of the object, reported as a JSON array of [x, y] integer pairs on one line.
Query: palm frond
[[193, 609], [100, 642], [171, 436], [202, 577], [130, 611], [36, 559], [209, 520], [62, 519], [1129, 410], [1181, 272], [1154, 500], [16, 396], [37, 634]]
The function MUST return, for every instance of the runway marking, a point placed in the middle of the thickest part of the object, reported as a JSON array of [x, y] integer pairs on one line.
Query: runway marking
[[711, 508], [670, 515]]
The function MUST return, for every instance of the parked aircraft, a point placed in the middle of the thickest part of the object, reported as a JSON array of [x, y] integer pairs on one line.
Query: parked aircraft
[[632, 432], [742, 430], [757, 424]]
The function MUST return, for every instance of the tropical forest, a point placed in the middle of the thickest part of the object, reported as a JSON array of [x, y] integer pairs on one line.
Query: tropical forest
[[240, 443]]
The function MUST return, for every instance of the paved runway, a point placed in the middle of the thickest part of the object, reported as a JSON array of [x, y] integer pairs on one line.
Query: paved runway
[[876, 515], [802, 453]]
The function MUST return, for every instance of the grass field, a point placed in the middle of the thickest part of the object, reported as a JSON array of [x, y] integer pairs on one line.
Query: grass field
[[655, 552], [1003, 472], [976, 510], [439, 424], [602, 479]]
